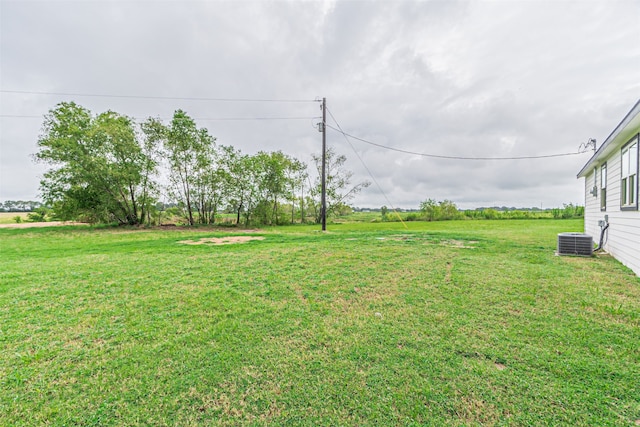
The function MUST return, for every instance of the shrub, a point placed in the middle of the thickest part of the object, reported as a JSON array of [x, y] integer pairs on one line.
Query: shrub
[[35, 217], [383, 212], [412, 217], [38, 215], [572, 211], [439, 211], [490, 214], [471, 214]]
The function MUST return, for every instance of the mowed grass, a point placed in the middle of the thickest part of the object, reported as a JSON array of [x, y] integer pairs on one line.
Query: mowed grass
[[450, 323]]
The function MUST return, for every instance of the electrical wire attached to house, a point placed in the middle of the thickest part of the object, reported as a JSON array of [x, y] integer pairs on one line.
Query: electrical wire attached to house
[[604, 226], [437, 156]]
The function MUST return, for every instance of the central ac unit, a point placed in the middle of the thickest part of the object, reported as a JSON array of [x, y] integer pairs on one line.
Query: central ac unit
[[579, 244]]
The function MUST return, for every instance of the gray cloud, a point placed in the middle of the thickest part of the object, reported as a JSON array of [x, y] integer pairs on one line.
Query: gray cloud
[[456, 78]]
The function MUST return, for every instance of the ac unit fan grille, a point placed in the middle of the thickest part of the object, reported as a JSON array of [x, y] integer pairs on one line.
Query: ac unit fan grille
[[575, 244]]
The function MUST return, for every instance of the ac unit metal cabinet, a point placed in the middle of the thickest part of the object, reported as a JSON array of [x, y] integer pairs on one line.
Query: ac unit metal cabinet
[[578, 244]]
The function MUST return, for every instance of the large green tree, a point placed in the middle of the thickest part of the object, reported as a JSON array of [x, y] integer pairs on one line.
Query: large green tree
[[297, 175], [278, 179], [99, 167], [190, 153], [105, 168]]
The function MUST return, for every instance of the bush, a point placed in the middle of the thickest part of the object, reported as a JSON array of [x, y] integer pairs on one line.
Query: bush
[[449, 210], [571, 211], [439, 211], [383, 212], [35, 217], [568, 211], [38, 215], [490, 214], [473, 214], [412, 217]]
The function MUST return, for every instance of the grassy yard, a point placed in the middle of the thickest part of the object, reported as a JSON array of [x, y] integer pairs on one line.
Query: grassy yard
[[445, 323]]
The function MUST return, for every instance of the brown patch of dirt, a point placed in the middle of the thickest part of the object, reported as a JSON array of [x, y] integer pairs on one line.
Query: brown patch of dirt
[[458, 244], [41, 224], [474, 410], [401, 237], [229, 240], [447, 276]]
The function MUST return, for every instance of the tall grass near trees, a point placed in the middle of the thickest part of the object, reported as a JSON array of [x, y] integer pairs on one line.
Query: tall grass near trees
[[442, 323]]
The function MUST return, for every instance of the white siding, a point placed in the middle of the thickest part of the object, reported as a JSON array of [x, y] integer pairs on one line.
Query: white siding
[[623, 239], [613, 165], [591, 208]]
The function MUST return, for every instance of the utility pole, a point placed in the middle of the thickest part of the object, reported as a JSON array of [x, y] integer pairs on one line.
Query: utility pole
[[323, 200]]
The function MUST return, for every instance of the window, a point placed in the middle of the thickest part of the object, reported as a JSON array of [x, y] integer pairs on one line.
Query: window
[[629, 179], [603, 187]]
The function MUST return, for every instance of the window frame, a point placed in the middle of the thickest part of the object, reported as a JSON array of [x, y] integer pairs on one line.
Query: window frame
[[625, 191]]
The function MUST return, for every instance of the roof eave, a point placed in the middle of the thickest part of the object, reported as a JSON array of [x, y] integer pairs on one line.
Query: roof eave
[[631, 120]]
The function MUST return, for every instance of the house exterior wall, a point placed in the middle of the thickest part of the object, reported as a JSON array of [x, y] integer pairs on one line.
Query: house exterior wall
[[622, 239], [591, 208]]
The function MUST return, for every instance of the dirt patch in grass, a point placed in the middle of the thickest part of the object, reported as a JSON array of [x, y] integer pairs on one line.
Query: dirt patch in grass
[[229, 240], [447, 277], [459, 244]]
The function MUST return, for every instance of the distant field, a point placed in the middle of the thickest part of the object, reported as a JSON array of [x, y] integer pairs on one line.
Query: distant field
[[458, 323], [9, 217]]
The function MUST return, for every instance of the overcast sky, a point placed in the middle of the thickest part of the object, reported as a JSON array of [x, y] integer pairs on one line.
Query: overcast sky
[[453, 78]]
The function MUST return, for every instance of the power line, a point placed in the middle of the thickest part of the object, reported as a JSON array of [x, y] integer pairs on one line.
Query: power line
[[365, 166], [97, 95], [436, 156], [17, 116]]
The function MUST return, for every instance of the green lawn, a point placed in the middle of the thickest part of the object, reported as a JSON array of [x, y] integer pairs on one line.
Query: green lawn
[[447, 323]]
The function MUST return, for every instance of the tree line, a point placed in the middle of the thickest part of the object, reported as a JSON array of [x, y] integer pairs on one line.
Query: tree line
[[443, 210], [109, 168], [20, 205]]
